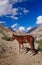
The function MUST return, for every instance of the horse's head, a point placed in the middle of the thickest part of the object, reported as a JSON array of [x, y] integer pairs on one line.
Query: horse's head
[[13, 37]]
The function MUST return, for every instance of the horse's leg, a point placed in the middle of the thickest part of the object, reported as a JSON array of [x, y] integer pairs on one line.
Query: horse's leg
[[19, 47], [32, 47], [23, 48]]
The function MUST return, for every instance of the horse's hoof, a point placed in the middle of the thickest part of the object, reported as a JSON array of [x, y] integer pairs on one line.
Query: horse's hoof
[[34, 53]]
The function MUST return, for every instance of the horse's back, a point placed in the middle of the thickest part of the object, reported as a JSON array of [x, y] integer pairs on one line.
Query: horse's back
[[26, 38]]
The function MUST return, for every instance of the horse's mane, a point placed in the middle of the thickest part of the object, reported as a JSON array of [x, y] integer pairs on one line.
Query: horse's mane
[[22, 35]]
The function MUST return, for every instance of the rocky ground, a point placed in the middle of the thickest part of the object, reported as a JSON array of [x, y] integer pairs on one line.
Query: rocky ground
[[9, 54]]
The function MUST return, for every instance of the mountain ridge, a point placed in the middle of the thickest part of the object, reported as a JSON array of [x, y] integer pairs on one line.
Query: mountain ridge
[[36, 30]]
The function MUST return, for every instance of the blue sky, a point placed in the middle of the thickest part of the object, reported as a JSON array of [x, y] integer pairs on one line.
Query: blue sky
[[21, 15]]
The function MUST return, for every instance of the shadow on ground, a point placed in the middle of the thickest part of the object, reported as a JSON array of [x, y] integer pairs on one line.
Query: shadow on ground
[[29, 49]]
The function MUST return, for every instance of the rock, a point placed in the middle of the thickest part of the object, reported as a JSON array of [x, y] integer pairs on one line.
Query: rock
[[36, 46], [1, 51]]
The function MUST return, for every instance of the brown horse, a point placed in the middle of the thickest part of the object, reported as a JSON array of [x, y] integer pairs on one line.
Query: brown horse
[[24, 39]]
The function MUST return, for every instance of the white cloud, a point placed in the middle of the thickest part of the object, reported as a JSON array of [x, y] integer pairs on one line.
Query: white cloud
[[13, 1], [14, 25], [39, 20], [6, 9], [14, 17], [15, 11], [29, 28], [25, 11], [21, 29], [16, 1], [2, 22]]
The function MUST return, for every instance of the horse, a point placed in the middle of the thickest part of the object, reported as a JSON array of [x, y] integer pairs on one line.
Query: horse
[[24, 39]]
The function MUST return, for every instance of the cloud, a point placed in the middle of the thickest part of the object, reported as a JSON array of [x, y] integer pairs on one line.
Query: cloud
[[25, 11], [6, 9], [14, 17], [2, 22], [15, 11], [21, 29], [13, 1], [16, 1], [17, 27], [39, 20], [14, 25], [29, 28]]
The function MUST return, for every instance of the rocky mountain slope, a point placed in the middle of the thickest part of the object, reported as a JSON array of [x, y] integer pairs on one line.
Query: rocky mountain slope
[[36, 31]]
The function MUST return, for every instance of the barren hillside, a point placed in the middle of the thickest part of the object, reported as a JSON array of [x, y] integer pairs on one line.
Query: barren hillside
[[9, 54]]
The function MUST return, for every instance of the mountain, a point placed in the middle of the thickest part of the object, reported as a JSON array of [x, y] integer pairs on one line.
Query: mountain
[[8, 31], [5, 30], [11, 29], [36, 30]]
